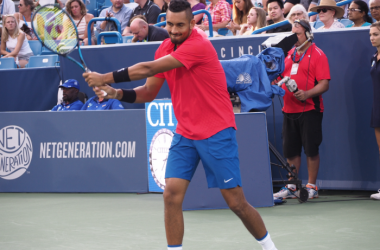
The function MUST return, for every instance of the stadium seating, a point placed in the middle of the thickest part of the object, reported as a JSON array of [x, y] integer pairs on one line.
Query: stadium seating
[[42, 61], [110, 37], [127, 39], [7, 63], [35, 46]]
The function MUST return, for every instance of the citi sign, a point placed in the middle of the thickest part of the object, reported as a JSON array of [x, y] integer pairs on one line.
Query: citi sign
[[161, 114], [16, 152]]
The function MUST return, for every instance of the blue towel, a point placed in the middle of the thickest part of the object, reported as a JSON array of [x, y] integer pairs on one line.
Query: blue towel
[[248, 77]]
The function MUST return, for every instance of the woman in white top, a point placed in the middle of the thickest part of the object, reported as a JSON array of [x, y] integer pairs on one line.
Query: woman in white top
[[256, 19], [78, 12], [24, 18], [328, 12], [15, 40]]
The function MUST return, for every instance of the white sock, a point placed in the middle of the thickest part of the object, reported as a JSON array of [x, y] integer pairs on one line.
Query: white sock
[[292, 186], [174, 247], [267, 243], [313, 185]]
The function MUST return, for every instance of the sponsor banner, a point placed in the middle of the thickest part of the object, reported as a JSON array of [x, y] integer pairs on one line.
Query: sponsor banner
[[78, 151], [160, 128]]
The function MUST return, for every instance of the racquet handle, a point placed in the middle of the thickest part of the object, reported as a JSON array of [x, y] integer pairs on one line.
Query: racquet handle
[[89, 71]]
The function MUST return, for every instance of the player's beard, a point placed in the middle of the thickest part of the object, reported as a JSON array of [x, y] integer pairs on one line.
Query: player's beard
[[179, 41]]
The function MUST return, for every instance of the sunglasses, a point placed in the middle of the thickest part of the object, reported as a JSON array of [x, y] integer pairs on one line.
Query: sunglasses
[[324, 10]]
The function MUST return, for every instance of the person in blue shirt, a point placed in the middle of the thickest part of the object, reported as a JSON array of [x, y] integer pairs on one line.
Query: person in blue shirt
[[96, 103], [70, 99]]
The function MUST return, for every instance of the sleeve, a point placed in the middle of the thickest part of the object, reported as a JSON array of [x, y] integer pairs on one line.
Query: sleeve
[[153, 14], [77, 106], [54, 108], [159, 35], [225, 12], [116, 104], [84, 107], [126, 18], [157, 55], [322, 69], [192, 53], [10, 8], [102, 14]]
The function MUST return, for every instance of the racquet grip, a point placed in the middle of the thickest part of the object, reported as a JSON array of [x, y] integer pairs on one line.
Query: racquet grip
[[89, 71]]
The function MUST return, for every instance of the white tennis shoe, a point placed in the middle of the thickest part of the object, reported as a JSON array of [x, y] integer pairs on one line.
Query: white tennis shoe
[[376, 196], [313, 191], [286, 193]]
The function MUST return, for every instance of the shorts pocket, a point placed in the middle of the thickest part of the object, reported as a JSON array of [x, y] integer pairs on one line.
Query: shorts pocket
[[221, 145]]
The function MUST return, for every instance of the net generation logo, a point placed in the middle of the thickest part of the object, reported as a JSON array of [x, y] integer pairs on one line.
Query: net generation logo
[[16, 152]]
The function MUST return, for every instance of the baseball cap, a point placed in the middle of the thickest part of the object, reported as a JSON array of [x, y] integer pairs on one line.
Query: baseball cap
[[71, 83]]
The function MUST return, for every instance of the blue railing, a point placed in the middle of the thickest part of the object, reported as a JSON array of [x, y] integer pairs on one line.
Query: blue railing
[[194, 13], [279, 24], [96, 19]]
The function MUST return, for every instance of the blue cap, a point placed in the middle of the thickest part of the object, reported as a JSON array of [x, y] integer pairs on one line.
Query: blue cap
[[71, 83]]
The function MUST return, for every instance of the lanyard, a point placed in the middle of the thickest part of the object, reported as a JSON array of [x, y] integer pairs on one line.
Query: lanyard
[[294, 56], [25, 20]]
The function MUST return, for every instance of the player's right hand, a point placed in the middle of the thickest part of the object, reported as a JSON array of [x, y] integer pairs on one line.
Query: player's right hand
[[93, 79]]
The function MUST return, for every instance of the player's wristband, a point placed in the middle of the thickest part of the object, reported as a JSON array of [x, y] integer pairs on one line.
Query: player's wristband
[[129, 95], [121, 75]]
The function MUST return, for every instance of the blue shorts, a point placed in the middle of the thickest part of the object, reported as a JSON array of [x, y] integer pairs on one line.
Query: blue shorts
[[219, 155]]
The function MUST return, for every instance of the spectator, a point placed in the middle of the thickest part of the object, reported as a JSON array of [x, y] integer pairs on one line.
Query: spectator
[[358, 13], [78, 12], [70, 100], [146, 8], [163, 5], [288, 5], [143, 32], [303, 110], [374, 6], [240, 12], [297, 12], [96, 103], [328, 12], [197, 5], [15, 40], [220, 12], [374, 35], [7, 7], [117, 10], [256, 20], [276, 14], [315, 3], [24, 18]]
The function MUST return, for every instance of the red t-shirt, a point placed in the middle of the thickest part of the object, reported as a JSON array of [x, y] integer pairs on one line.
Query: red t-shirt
[[199, 93], [318, 70]]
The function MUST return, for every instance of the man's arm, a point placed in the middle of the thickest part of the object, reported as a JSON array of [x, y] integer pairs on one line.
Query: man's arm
[[319, 89], [145, 93], [136, 72]]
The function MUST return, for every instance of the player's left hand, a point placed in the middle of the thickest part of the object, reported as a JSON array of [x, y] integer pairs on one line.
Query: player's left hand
[[301, 95], [93, 79]]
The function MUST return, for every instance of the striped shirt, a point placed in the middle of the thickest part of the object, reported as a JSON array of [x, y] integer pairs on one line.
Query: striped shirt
[[220, 12], [81, 27]]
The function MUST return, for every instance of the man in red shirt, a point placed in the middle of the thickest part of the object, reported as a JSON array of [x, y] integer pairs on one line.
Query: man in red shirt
[[303, 110], [206, 123]]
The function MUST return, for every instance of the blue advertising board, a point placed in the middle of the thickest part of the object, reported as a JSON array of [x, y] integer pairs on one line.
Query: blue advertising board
[[160, 128], [77, 151]]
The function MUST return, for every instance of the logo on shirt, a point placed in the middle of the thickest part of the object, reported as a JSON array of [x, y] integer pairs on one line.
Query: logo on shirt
[[373, 63], [244, 78], [16, 152]]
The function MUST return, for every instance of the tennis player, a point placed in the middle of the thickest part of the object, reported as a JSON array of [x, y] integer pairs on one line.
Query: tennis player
[[206, 123]]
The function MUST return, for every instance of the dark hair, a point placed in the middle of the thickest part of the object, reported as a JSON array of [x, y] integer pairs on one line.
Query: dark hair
[[280, 3], [181, 5], [364, 8]]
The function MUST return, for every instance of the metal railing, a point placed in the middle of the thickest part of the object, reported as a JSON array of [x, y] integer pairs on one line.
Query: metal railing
[[194, 13], [96, 19], [282, 23]]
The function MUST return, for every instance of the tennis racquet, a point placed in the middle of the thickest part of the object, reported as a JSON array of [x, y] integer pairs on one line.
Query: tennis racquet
[[57, 31]]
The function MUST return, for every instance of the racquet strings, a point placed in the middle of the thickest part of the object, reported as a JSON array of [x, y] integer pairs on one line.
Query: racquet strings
[[55, 29]]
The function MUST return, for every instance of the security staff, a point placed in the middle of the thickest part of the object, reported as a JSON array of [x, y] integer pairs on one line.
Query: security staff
[[70, 99], [96, 103]]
